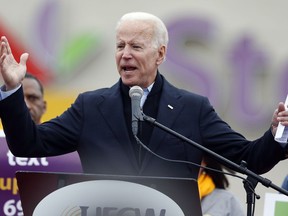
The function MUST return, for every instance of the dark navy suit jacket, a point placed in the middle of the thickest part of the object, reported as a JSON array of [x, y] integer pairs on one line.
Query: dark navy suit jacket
[[95, 127]]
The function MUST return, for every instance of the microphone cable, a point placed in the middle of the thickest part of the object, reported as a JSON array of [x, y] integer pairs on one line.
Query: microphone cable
[[246, 181]]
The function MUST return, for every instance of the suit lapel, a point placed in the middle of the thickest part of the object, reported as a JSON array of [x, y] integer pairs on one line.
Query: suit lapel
[[169, 109], [114, 117]]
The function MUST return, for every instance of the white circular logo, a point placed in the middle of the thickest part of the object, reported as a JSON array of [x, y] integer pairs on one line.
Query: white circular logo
[[107, 197]]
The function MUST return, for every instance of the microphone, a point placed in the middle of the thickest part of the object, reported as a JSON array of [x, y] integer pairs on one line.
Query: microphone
[[135, 94]]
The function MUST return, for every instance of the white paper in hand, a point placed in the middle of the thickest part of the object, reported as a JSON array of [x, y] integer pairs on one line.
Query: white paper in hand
[[282, 131]]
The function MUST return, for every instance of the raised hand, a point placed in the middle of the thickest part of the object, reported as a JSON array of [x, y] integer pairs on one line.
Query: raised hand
[[11, 71], [280, 116]]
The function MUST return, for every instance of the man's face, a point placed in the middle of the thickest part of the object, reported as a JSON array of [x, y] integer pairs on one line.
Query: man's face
[[136, 58], [34, 99]]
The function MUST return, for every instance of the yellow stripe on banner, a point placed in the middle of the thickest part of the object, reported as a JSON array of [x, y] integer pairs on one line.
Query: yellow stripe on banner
[[57, 103]]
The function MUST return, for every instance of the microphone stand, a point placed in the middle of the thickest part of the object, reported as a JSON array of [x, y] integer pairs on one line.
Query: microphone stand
[[252, 178]]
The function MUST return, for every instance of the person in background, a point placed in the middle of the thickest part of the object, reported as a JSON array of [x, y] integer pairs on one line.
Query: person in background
[[216, 200], [98, 123], [34, 97]]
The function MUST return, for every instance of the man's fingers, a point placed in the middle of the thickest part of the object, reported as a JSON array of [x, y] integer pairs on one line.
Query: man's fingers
[[23, 59], [281, 107], [1, 48], [7, 46], [2, 58]]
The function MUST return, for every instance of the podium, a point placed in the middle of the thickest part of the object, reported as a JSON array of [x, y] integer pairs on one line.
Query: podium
[[74, 194]]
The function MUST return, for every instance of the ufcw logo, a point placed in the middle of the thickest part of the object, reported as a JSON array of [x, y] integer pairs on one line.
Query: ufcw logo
[[114, 211], [107, 198]]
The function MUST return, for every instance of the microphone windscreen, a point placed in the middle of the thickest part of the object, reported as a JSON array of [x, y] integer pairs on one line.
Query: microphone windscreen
[[136, 91]]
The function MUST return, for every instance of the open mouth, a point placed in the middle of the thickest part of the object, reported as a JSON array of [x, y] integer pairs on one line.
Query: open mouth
[[128, 68]]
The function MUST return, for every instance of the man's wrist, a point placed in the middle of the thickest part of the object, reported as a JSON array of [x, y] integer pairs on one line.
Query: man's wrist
[[4, 93]]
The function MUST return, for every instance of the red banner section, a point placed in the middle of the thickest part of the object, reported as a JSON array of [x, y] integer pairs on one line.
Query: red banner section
[[34, 67]]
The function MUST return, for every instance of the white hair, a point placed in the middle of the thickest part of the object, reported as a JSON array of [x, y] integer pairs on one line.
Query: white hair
[[160, 37]]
